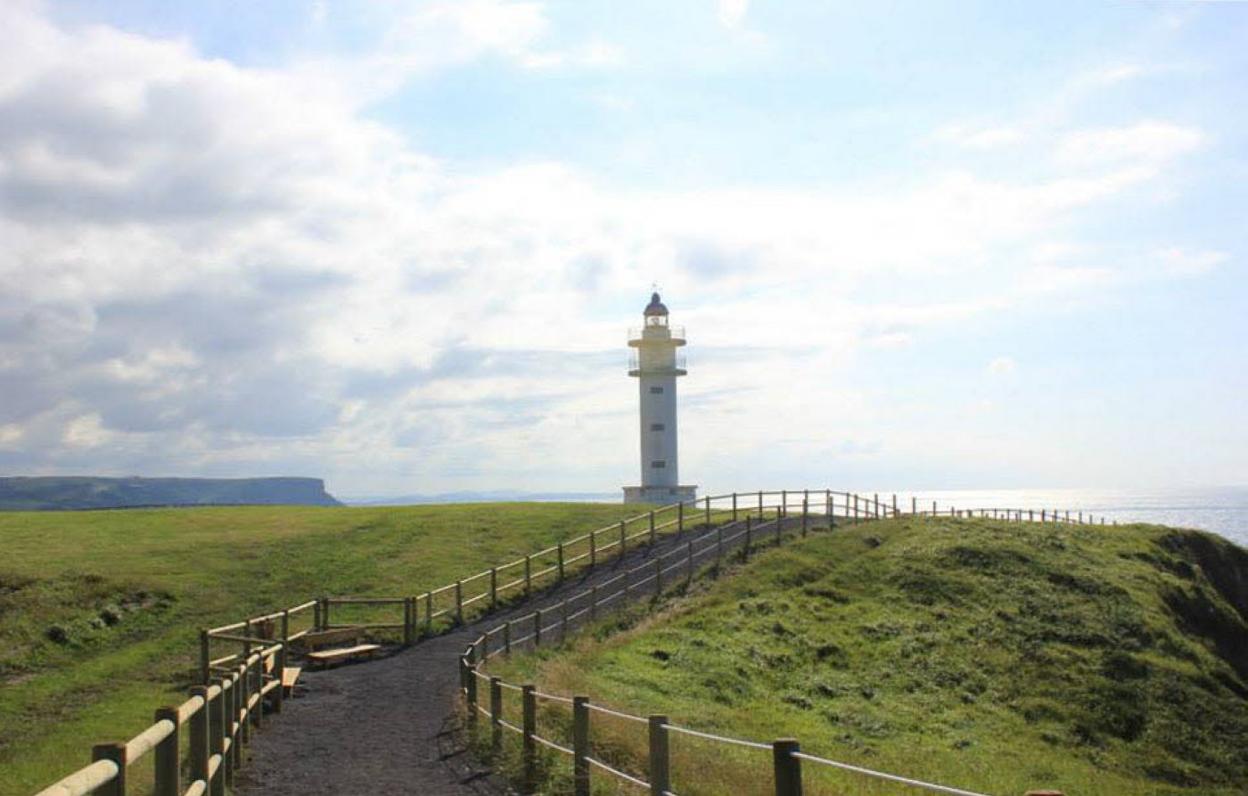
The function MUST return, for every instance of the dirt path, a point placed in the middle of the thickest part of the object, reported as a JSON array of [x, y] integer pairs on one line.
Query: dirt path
[[385, 727]]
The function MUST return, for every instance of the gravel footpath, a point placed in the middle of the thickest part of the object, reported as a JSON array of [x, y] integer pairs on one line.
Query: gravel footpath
[[388, 726]]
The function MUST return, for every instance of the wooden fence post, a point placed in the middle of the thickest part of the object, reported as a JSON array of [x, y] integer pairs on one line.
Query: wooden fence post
[[593, 550], [408, 628], [168, 765], [914, 505], [651, 527], [623, 540], [760, 502], [244, 722], [719, 549], [236, 713], [493, 588], [324, 613], [680, 517], [205, 668], [115, 752], [580, 745], [199, 745], [537, 627], [496, 715], [784, 502], [528, 574], [429, 613], [216, 732], [734, 506], [788, 768], [708, 511], [470, 680], [660, 771], [257, 680], [876, 500], [529, 729], [894, 504], [805, 516], [779, 527], [285, 630], [745, 551], [559, 549], [459, 602]]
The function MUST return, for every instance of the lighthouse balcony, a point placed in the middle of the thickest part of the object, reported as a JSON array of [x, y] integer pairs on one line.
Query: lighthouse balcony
[[638, 366], [673, 335]]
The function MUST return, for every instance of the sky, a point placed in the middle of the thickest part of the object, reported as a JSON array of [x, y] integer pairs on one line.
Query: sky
[[399, 245]]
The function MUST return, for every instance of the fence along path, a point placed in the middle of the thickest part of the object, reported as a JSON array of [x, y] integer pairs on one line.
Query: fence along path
[[584, 607], [224, 711]]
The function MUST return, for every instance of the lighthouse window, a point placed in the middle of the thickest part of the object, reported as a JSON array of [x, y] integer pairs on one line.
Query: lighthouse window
[[658, 464], [656, 390], [657, 426]]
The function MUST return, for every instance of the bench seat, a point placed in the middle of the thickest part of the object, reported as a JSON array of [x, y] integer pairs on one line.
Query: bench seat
[[290, 676], [338, 653]]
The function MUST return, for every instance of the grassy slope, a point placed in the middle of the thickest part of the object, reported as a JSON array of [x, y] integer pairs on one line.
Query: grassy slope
[[981, 654], [125, 592]]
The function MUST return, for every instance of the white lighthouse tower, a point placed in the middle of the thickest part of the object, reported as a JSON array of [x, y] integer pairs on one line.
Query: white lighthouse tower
[[656, 366]]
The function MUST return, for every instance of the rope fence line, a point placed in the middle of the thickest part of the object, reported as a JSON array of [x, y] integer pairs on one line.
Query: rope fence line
[[237, 684]]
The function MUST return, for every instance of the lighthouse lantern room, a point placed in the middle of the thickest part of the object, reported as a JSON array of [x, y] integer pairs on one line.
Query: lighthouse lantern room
[[656, 365]]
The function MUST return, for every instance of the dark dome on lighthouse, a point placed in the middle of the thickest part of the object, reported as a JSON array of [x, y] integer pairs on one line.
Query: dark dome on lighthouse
[[655, 307]]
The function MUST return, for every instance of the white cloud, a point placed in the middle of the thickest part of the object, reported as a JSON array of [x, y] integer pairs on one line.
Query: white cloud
[[86, 431], [1002, 366], [213, 267], [1147, 142], [1176, 261], [982, 137], [732, 12]]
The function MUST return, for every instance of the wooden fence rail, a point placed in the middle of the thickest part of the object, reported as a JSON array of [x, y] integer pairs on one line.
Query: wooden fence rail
[[228, 705], [584, 608]]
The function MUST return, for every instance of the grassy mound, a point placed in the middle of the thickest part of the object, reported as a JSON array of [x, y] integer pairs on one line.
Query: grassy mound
[[99, 611], [987, 655]]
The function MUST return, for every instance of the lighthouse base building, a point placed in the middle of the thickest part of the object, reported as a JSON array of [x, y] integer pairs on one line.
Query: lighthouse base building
[[656, 366]]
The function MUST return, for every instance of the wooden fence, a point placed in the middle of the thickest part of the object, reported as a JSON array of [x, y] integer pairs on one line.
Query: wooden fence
[[228, 705], [739, 536]]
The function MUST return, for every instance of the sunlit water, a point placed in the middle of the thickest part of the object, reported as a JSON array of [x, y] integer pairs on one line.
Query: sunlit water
[[1221, 510]]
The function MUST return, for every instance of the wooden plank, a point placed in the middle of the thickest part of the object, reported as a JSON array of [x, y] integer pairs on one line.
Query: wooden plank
[[324, 656], [290, 676]]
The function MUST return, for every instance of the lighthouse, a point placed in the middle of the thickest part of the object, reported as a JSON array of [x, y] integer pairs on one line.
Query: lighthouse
[[656, 365]]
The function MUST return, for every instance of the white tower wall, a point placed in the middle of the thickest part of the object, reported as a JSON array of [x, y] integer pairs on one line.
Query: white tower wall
[[658, 431], [656, 367]]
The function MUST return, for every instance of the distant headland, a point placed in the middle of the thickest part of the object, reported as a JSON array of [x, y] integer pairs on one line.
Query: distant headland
[[44, 493]]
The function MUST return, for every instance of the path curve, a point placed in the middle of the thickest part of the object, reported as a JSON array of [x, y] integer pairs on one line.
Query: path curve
[[385, 727]]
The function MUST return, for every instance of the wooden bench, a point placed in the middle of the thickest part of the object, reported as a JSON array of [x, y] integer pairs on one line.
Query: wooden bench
[[290, 676], [351, 636], [340, 653]]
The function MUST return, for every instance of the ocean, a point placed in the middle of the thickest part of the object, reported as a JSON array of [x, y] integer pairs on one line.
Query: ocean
[[1222, 510]]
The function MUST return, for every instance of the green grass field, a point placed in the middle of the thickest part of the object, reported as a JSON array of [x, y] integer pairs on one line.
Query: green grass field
[[993, 656], [100, 611]]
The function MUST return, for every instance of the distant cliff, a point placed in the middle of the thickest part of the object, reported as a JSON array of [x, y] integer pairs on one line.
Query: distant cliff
[[39, 493]]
